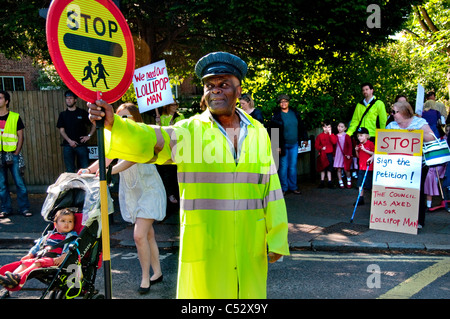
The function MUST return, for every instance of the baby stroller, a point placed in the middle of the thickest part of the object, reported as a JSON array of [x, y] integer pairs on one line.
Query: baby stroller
[[75, 277]]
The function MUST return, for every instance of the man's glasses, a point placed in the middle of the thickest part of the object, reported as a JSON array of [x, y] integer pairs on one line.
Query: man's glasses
[[127, 116], [393, 112]]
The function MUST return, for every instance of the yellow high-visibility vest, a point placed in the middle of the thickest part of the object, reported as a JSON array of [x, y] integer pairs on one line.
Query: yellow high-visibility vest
[[230, 213], [9, 138]]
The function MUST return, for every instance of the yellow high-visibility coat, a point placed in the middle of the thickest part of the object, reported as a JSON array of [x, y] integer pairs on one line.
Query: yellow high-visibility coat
[[229, 212], [369, 121]]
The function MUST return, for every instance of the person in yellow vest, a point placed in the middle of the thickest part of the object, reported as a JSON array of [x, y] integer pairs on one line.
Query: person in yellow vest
[[233, 216], [375, 109], [11, 127], [170, 114]]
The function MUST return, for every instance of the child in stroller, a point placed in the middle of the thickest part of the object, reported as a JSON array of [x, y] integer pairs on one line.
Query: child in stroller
[[50, 250], [75, 276]]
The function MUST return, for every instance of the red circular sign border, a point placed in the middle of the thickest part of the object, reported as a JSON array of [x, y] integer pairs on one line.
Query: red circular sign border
[[54, 13]]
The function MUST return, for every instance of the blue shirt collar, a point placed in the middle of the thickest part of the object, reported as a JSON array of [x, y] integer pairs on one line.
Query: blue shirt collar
[[367, 103]]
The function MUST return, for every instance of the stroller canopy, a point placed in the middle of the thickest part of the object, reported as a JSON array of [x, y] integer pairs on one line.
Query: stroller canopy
[[81, 192]]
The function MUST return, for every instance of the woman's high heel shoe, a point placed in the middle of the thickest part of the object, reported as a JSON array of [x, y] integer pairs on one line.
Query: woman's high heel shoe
[[159, 279]]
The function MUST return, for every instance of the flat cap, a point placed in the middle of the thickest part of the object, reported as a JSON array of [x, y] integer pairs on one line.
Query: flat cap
[[217, 63]]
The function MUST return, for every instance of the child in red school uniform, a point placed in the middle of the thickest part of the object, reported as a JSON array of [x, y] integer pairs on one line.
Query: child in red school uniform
[[325, 143], [343, 156], [47, 252], [364, 150]]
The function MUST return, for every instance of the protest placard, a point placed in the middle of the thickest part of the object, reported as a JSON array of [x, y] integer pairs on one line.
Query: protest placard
[[152, 87], [396, 181]]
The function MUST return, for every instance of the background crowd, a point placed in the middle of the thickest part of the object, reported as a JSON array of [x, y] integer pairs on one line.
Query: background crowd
[[345, 150]]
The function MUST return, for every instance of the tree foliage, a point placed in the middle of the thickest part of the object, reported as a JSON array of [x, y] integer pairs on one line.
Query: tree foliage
[[426, 44], [23, 30], [324, 91], [183, 31], [317, 51]]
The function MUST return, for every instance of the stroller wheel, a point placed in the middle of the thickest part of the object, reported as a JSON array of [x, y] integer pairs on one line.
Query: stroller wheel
[[60, 295], [56, 294], [51, 294], [4, 294]]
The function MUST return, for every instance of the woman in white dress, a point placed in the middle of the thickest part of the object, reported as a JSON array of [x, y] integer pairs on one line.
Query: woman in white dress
[[142, 200]]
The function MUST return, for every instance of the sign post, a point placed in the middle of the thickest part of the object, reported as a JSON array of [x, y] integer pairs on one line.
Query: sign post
[[92, 49], [420, 97], [396, 181]]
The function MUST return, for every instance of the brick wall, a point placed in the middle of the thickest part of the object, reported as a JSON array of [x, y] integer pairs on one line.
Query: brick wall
[[189, 88], [23, 67]]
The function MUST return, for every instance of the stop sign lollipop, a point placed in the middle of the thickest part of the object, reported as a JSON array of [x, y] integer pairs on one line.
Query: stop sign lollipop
[[92, 49]]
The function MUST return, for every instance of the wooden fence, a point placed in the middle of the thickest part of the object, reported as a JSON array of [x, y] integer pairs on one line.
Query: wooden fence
[[39, 111]]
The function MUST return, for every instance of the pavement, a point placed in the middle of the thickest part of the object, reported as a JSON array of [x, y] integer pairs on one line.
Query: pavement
[[319, 220]]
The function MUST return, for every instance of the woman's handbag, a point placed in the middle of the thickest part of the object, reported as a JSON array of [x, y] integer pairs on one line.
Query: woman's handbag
[[436, 152]]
